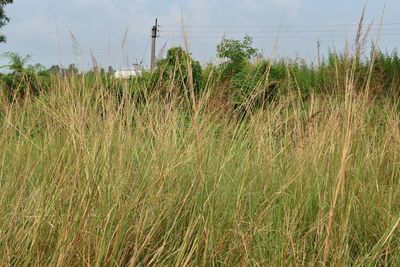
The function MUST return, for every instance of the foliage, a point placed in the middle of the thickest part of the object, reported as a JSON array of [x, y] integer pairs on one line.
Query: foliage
[[239, 83], [386, 74], [3, 18], [21, 79], [178, 70], [135, 87], [303, 78], [236, 53], [250, 83]]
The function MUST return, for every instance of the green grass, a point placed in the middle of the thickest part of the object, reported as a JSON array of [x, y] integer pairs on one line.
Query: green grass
[[88, 178]]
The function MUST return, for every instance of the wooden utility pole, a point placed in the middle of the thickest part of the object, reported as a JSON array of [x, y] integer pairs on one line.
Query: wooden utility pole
[[154, 35]]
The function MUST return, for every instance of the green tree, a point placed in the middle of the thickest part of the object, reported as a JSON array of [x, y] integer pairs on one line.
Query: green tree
[[175, 69], [3, 18], [21, 78], [55, 69], [236, 53]]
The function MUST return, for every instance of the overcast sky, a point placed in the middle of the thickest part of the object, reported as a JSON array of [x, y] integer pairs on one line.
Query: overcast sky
[[43, 28]]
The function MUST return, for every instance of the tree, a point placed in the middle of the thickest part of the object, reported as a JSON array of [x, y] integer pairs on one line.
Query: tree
[[17, 62], [249, 81], [180, 68], [55, 69], [236, 53], [72, 69], [3, 18], [23, 79]]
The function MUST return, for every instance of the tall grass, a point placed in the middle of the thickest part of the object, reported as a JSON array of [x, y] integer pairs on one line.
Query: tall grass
[[89, 178]]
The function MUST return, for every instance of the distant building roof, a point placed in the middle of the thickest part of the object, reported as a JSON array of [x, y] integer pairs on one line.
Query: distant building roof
[[135, 70]]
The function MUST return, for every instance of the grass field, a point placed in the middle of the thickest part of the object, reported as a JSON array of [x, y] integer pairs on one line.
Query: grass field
[[89, 178]]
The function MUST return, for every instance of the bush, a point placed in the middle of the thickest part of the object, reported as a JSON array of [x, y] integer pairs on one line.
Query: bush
[[178, 70], [21, 80]]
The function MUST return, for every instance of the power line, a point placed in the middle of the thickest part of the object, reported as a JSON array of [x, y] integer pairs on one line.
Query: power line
[[311, 31], [332, 33], [145, 50], [275, 26], [275, 36], [275, 31]]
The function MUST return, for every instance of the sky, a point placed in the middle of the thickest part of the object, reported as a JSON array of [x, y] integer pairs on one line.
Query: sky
[[71, 31]]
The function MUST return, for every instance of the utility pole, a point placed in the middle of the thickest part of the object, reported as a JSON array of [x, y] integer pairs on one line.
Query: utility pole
[[154, 35], [319, 52]]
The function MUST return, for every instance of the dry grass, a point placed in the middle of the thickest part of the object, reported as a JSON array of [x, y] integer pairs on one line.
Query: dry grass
[[89, 180]]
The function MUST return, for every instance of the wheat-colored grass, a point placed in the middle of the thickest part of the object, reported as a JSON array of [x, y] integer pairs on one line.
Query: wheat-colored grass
[[87, 178]]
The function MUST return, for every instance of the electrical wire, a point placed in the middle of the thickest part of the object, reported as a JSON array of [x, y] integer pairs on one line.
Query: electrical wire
[[275, 26], [285, 32], [300, 34], [278, 31], [277, 36], [145, 51]]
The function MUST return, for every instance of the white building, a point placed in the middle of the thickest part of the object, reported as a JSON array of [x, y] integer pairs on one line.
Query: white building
[[128, 73]]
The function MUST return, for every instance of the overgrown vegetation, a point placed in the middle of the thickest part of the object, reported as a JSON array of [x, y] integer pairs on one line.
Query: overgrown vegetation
[[22, 80], [158, 169], [243, 82]]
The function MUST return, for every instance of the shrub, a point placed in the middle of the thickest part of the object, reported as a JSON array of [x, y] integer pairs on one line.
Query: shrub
[[22, 80], [178, 70]]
